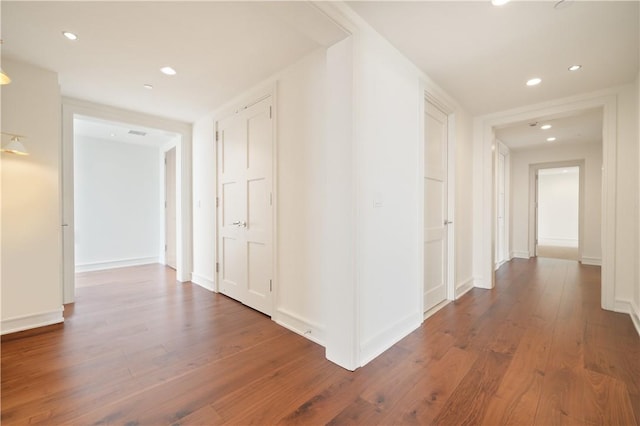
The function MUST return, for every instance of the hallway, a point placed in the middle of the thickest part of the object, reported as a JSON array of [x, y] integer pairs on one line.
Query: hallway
[[144, 350]]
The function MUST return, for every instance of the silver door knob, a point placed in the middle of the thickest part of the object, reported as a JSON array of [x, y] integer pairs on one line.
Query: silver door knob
[[448, 222], [238, 223]]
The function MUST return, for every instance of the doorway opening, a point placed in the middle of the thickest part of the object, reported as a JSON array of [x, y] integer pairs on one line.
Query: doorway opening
[[113, 191], [124, 196], [558, 212]]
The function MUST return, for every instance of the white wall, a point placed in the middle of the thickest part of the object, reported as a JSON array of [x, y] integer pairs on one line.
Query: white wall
[[558, 206], [636, 298], [628, 192], [520, 162], [388, 195], [118, 209], [204, 203], [464, 208], [31, 224], [300, 195]]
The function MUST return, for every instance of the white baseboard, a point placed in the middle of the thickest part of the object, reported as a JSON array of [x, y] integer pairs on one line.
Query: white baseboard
[[388, 337], [635, 316], [627, 307], [561, 242], [521, 255], [302, 326], [203, 282], [595, 261], [27, 322], [112, 264], [479, 283], [463, 287]]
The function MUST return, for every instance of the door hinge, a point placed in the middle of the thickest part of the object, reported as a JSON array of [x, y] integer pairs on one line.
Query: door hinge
[[270, 285], [217, 136], [269, 112], [165, 247], [217, 267], [217, 202]]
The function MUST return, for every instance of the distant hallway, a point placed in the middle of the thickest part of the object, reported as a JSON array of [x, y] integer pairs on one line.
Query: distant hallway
[[139, 348]]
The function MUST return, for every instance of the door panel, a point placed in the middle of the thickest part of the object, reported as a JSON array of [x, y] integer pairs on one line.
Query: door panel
[[245, 156], [435, 209]]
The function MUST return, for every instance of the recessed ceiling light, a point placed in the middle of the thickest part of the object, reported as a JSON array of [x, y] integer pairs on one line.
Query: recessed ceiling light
[[168, 71], [575, 67], [565, 171], [551, 139], [113, 135], [147, 86], [534, 81], [70, 35], [545, 126], [499, 2]]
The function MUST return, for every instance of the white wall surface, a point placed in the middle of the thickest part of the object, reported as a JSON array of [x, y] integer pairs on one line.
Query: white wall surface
[[204, 203], [464, 208], [628, 192], [300, 195], [387, 169], [118, 208], [31, 224], [558, 206], [520, 162], [636, 297]]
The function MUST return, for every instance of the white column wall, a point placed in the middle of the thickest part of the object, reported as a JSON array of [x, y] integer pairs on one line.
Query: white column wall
[[388, 137], [628, 192], [31, 209]]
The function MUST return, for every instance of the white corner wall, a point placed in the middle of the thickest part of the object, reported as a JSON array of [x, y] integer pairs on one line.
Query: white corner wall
[[628, 193], [464, 208], [635, 308], [204, 204], [302, 171], [388, 198], [118, 209], [521, 161], [31, 223]]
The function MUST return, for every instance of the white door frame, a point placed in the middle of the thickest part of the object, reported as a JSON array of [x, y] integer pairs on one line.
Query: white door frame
[[72, 107], [426, 95], [533, 195], [258, 95], [484, 199]]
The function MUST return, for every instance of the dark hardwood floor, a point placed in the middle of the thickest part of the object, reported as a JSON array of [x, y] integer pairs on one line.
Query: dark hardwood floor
[[137, 348]]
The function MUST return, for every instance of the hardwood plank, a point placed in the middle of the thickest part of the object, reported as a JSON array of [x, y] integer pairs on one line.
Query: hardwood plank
[[139, 348]]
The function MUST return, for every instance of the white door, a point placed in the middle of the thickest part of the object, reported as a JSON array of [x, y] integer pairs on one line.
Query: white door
[[170, 208], [435, 208], [245, 226]]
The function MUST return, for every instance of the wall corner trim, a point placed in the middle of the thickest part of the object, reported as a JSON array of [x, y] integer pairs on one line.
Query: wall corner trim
[[463, 287], [595, 261], [388, 337], [299, 325], [204, 282], [27, 322], [628, 307]]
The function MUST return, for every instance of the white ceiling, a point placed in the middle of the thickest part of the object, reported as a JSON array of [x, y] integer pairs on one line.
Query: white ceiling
[[217, 48], [480, 54], [483, 55], [119, 132], [576, 127]]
